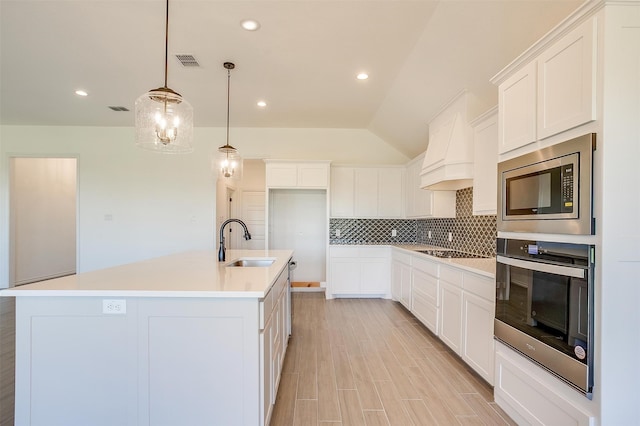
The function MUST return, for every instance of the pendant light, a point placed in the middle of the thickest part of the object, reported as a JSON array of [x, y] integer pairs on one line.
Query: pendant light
[[164, 120], [230, 163]]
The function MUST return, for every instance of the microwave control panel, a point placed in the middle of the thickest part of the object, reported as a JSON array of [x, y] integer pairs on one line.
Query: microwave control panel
[[566, 175]]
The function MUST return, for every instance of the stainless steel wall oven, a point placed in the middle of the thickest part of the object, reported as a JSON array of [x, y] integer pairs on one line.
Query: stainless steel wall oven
[[544, 306]]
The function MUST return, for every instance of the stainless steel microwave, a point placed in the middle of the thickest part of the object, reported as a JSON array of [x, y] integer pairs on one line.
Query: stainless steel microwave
[[549, 190]]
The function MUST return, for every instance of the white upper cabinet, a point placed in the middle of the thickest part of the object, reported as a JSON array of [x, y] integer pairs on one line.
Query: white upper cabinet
[[391, 192], [367, 192], [342, 191], [551, 93], [485, 139], [423, 203], [566, 81], [517, 100], [297, 174]]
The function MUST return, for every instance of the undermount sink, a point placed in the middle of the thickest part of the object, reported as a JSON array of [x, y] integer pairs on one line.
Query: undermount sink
[[251, 263]]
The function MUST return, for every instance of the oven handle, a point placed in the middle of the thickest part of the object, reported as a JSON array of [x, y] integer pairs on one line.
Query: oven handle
[[543, 267]]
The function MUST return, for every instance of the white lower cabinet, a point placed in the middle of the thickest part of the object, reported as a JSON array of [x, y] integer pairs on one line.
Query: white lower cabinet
[[477, 340], [425, 297], [530, 395], [454, 304], [451, 315], [359, 270], [401, 278], [273, 344]]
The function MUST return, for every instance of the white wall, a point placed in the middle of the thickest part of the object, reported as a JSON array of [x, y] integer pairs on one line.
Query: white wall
[[160, 204], [132, 204]]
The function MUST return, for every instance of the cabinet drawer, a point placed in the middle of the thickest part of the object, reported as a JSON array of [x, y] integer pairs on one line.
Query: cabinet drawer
[[343, 251], [426, 312], [481, 286], [401, 257], [425, 266], [426, 285], [374, 251], [450, 275]]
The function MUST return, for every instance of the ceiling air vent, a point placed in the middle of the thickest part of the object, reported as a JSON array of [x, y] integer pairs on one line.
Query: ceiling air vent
[[118, 108], [188, 60]]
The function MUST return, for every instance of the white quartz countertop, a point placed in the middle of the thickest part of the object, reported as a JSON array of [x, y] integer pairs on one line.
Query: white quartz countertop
[[486, 267], [189, 274]]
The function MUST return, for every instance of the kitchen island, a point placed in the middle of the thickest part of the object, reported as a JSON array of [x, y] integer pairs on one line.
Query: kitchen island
[[177, 340]]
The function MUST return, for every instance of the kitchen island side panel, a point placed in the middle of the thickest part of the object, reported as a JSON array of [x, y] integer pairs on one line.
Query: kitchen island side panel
[[162, 362]]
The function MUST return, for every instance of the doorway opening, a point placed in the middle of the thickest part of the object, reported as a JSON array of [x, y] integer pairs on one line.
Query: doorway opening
[[42, 218]]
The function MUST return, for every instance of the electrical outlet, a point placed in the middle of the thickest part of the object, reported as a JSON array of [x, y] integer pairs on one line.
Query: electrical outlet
[[450, 237], [337, 233], [114, 306], [429, 234], [394, 233]]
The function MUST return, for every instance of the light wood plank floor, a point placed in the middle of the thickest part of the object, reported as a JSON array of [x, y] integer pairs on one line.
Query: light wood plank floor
[[370, 362]]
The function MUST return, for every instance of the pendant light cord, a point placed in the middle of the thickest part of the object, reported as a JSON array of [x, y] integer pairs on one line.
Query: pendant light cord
[[228, 100], [166, 44]]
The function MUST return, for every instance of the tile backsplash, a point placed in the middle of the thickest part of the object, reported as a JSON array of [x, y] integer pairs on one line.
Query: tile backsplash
[[472, 234]]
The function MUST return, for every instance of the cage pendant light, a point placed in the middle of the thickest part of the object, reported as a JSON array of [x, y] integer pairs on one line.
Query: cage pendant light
[[230, 163], [164, 119]]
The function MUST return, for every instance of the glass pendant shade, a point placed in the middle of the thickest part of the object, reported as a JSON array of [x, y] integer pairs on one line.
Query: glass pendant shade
[[164, 122], [229, 162]]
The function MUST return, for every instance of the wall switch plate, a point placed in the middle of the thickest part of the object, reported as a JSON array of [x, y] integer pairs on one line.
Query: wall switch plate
[[114, 306], [337, 233], [394, 233], [450, 237]]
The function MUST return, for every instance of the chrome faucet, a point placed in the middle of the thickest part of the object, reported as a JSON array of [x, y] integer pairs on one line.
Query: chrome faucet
[[247, 236]]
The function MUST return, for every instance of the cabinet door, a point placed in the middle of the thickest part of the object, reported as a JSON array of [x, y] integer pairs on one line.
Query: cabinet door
[[517, 105], [396, 280], [478, 348], [366, 192], [345, 275], [566, 82], [313, 175], [374, 276], [405, 280], [281, 175], [342, 191], [390, 198], [451, 316], [266, 376], [485, 188]]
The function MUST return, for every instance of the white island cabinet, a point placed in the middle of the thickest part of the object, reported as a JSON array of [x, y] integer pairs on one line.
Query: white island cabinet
[[178, 340]]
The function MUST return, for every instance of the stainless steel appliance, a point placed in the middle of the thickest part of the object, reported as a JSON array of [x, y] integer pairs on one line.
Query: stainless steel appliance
[[550, 190], [544, 306]]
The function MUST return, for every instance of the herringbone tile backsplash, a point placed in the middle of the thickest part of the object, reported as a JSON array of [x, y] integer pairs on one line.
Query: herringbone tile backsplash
[[472, 234]]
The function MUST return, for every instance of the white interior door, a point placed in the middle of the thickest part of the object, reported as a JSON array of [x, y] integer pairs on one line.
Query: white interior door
[[253, 205], [42, 218], [298, 221]]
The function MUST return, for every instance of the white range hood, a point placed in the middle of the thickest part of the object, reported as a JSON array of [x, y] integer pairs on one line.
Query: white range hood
[[448, 162]]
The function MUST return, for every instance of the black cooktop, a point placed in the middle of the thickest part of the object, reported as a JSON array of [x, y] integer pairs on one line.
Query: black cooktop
[[451, 254]]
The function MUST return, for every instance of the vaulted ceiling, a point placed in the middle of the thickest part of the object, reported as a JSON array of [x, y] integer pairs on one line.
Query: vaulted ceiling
[[303, 60]]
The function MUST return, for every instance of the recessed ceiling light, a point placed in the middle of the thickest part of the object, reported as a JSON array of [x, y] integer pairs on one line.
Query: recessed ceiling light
[[81, 93], [262, 104], [250, 24], [362, 76]]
